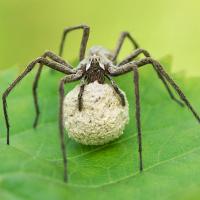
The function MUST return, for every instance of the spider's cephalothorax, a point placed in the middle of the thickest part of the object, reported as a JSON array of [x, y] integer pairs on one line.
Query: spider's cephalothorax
[[96, 64], [95, 70], [100, 64]]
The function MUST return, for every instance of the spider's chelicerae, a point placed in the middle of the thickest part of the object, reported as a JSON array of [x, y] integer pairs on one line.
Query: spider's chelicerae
[[99, 65]]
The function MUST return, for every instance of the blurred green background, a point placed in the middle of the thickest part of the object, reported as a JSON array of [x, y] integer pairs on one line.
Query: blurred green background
[[29, 27]]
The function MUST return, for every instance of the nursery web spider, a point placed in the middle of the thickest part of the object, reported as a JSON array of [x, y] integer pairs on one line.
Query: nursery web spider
[[100, 64]]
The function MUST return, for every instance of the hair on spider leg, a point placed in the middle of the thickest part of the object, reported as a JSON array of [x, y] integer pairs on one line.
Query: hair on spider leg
[[95, 72]]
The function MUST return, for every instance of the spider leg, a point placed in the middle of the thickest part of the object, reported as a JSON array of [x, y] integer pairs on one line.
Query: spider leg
[[133, 66], [58, 59], [55, 58], [120, 43], [117, 90], [66, 79], [133, 55], [85, 36], [137, 113], [86, 32], [116, 71], [54, 65], [80, 95], [161, 70], [139, 51]]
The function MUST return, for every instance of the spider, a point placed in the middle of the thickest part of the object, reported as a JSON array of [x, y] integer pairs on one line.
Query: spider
[[100, 65]]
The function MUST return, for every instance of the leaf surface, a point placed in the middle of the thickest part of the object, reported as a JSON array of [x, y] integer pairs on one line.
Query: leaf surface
[[31, 167]]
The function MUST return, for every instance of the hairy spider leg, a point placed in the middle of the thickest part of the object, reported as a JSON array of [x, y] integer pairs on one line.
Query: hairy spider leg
[[51, 55], [139, 51], [137, 113], [120, 43], [80, 95], [85, 36], [51, 64], [55, 58], [161, 70], [66, 79], [116, 71], [117, 90]]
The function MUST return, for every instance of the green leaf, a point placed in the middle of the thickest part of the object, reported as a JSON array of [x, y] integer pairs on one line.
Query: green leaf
[[31, 167]]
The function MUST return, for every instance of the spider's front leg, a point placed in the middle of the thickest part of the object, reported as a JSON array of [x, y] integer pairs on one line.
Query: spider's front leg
[[133, 66], [54, 57], [137, 113], [116, 71], [85, 36], [120, 43], [53, 65], [66, 79]]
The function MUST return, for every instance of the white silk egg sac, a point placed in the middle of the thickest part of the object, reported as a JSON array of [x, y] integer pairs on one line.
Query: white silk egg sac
[[102, 118]]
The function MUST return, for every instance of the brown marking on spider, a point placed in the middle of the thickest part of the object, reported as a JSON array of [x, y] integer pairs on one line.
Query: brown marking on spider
[[100, 64]]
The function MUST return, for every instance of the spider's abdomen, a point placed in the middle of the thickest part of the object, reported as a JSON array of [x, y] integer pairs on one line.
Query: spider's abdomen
[[102, 118], [99, 50]]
